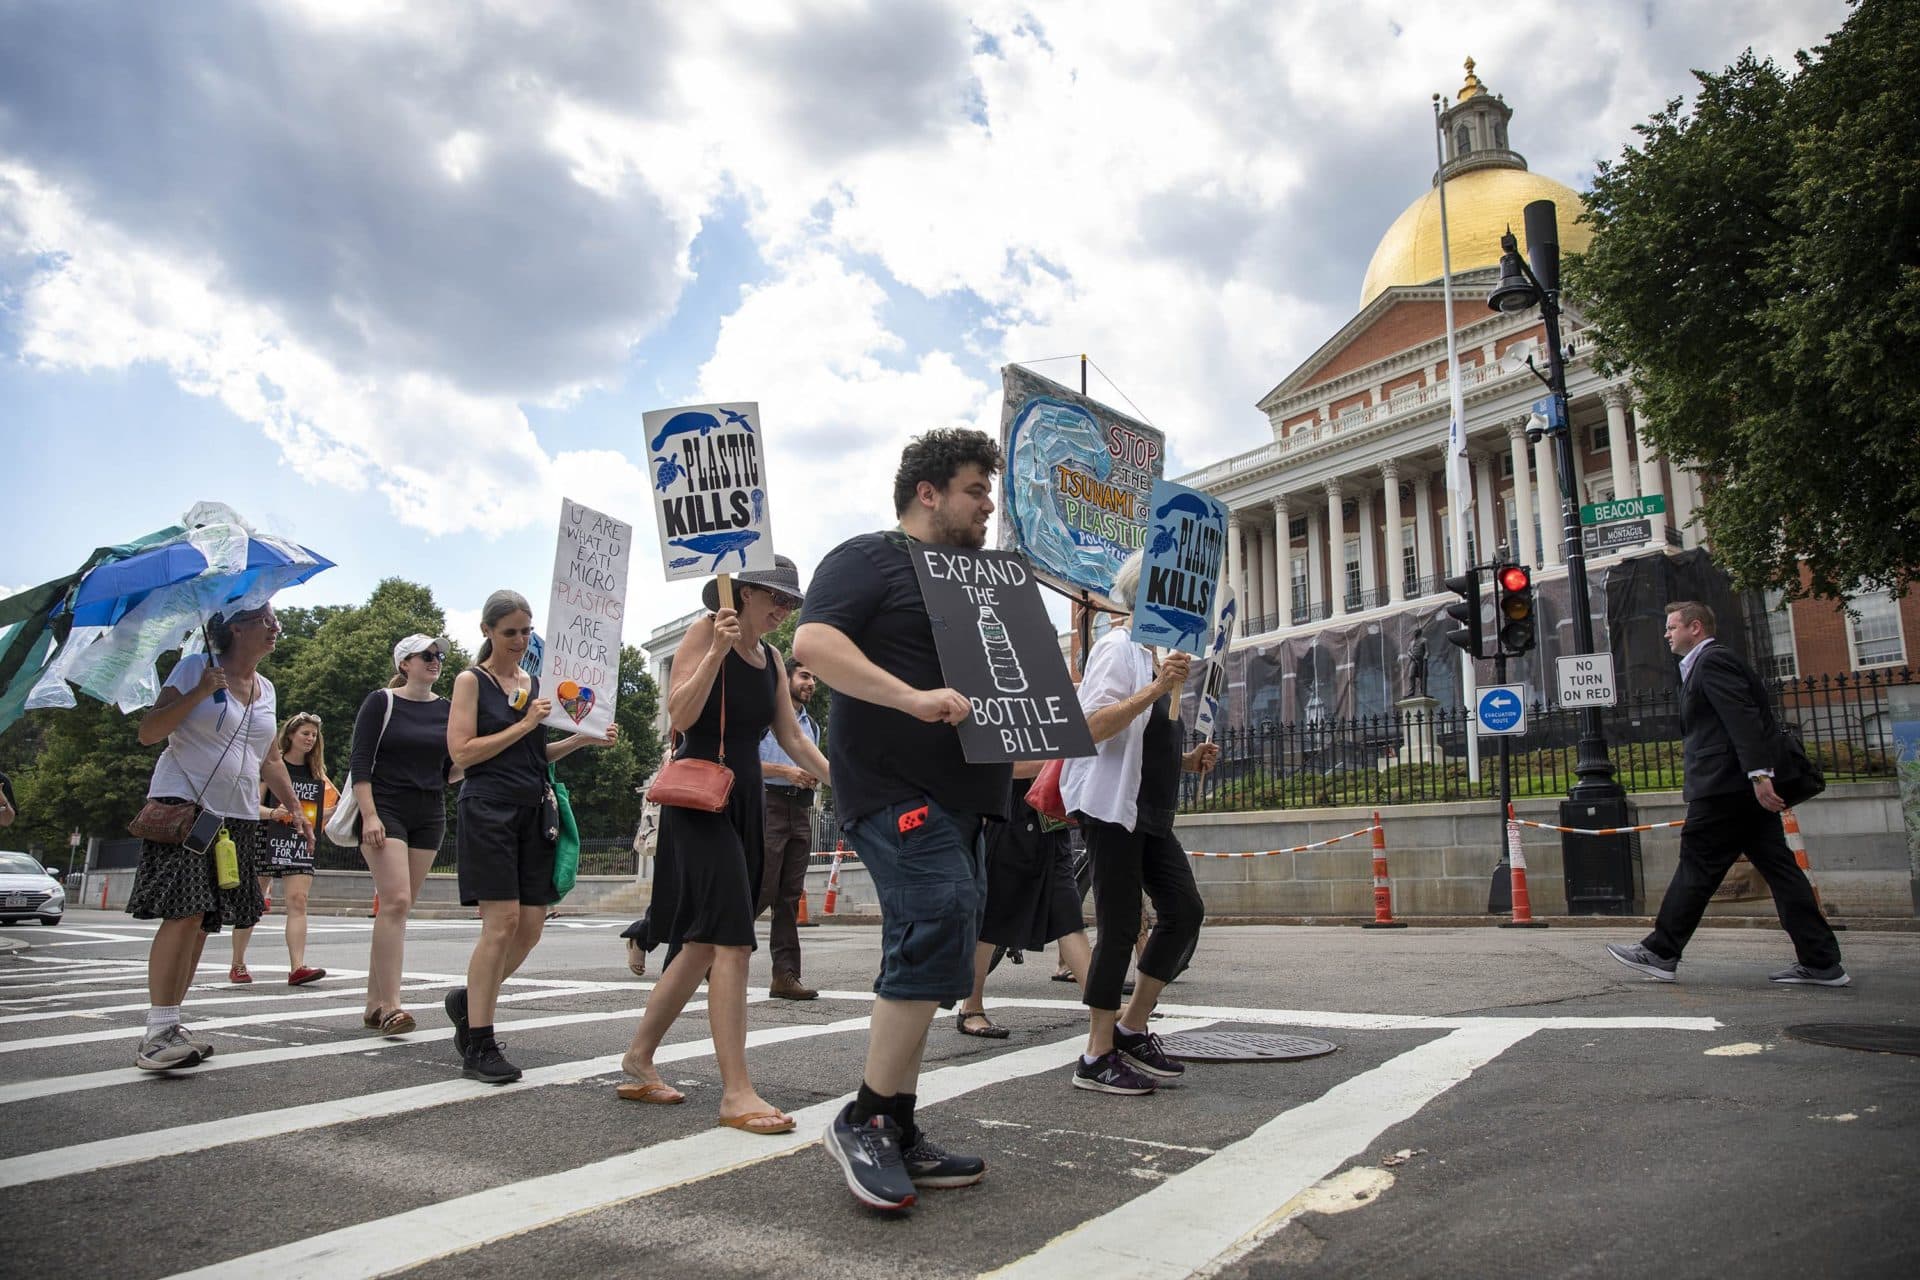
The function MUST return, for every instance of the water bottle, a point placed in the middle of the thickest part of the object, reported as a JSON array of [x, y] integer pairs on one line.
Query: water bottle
[[1002, 661], [226, 862]]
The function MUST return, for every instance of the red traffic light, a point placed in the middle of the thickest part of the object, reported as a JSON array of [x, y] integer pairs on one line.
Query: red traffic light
[[1515, 577]]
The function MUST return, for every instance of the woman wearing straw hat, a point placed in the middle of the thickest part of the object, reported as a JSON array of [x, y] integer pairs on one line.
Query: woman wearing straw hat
[[726, 689]]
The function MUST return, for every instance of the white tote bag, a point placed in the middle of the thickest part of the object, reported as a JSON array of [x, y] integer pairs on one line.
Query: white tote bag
[[343, 824]]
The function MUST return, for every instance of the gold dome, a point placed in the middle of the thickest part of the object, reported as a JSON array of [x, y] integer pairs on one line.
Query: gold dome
[[1481, 203]]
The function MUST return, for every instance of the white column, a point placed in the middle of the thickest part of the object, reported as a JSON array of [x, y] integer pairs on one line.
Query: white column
[[1618, 439], [1316, 558], [1550, 516], [1256, 597], [1423, 524], [1529, 550], [1484, 504], [1649, 477], [1283, 583], [1396, 521], [1336, 552], [1369, 576], [1233, 567], [1269, 593], [1684, 502]]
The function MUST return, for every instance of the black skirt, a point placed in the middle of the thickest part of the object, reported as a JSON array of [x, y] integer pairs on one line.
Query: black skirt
[[173, 881], [1032, 898]]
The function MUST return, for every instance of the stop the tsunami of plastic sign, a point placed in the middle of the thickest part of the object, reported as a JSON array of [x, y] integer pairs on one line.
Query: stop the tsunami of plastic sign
[[998, 647]]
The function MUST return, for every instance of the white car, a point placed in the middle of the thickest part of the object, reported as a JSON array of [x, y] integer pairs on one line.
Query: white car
[[28, 889]]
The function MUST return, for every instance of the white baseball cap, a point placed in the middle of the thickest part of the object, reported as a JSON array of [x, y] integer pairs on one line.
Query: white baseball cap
[[419, 644]]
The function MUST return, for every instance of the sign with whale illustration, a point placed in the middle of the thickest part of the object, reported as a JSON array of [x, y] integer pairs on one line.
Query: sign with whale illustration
[[1079, 476], [998, 647], [709, 489], [1176, 602], [580, 669]]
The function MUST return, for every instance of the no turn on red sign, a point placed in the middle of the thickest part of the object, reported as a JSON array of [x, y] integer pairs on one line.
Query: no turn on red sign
[[1586, 680]]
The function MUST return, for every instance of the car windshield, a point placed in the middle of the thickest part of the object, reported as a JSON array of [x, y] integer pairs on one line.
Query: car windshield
[[20, 864]]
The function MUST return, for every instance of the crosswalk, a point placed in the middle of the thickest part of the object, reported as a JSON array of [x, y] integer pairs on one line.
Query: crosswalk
[[67, 1024]]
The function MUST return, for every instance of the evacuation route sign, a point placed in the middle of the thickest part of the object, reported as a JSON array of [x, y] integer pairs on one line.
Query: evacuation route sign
[[1586, 680], [1503, 709], [998, 647]]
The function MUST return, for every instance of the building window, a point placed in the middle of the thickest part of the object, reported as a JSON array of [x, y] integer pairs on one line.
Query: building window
[[1462, 141], [1875, 634], [1299, 572], [1506, 464], [1409, 556], [1353, 567], [1296, 528], [1786, 662], [1599, 438], [1513, 527]]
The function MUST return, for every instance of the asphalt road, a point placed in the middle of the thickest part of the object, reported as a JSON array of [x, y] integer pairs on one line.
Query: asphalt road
[[1502, 1103]]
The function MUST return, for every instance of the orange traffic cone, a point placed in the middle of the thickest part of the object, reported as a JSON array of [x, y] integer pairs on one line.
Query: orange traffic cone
[[833, 879], [1382, 883], [376, 905], [1799, 847], [801, 918], [1517, 862]]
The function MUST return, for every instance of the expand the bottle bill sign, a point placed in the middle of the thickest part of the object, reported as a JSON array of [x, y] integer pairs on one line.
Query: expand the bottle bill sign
[[1175, 603], [998, 647], [580, 667], [709, 489]]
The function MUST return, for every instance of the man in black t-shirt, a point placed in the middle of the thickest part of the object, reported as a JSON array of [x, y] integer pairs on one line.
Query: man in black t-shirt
[[909, 802]]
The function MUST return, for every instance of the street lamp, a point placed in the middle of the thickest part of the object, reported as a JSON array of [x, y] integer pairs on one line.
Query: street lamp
[[1522, 287]]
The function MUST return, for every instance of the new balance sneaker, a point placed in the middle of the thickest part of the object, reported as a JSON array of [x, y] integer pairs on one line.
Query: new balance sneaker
[[931, 1165], [1147, 1055], [869, 1156], [1635, 956], [1111, 1073], [455, 1004], [1800, 974], [485, 1063], [167, 1050]]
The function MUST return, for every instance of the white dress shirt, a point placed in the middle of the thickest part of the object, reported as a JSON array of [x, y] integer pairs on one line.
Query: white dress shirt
[[1107, 785]]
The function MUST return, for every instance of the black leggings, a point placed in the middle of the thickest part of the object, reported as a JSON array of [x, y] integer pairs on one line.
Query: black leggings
[[1125, 862]]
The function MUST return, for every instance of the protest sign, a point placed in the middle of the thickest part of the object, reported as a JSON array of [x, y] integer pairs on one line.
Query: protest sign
[[709, 489], [582, 659], [998, 647], [1079, 477], [1180, 576], [1207, 715]]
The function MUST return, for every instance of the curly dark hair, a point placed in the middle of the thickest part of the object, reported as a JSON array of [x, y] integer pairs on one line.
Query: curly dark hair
[[936, 456]]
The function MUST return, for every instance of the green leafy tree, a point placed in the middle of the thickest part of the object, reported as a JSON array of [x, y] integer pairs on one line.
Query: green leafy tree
[[781, 637], [1756, 268], [89, 774]]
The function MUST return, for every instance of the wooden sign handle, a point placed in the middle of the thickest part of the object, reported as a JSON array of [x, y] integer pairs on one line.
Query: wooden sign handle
[[726, 590]]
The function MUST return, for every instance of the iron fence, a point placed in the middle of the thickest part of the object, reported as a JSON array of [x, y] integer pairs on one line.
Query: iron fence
[[1843, 719]]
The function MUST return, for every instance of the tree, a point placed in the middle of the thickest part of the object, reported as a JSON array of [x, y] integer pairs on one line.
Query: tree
[[1756, 269], [90, 772]]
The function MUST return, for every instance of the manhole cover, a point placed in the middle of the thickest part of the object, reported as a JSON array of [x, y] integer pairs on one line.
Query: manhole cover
[[1855, 1035], [1242, 1046]]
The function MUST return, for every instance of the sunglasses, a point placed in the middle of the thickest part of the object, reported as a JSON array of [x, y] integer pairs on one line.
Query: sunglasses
[[513, 633], [781, 600], [301, 721], [431, 655]]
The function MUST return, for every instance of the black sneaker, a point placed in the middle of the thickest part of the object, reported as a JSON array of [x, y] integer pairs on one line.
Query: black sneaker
[[456, 1006], [1110, 1073], [931, 1165], [1802, 975], [1146, 1053], [1635, 956], [869, 1155], [488, 1065]]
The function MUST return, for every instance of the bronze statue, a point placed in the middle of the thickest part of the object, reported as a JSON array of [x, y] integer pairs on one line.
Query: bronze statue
[[1417, 667]]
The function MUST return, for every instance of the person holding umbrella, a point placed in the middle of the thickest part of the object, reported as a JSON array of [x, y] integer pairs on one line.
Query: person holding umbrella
[[216, 715]]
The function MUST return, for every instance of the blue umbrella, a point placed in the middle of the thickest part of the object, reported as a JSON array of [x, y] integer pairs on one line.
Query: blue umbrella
[[105, 595]]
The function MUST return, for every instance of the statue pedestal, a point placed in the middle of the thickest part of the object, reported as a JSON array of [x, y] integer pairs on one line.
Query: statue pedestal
[[1418, 744]]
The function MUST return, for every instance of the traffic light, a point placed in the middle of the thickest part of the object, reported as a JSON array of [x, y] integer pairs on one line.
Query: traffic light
[[1466, 612], [1513, 604]]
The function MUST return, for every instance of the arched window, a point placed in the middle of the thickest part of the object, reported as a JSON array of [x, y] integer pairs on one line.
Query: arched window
[[1500, 135], [1462, 141]]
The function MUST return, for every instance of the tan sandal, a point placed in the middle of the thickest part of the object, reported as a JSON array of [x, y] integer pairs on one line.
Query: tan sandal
[[654, 1091], [783, 1123], [390, 1022]]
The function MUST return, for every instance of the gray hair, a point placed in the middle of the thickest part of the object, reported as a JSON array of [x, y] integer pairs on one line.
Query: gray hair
[[1126, 580], [499, 605]]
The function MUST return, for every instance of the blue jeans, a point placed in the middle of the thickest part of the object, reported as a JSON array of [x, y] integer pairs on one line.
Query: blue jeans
[[929, 869]]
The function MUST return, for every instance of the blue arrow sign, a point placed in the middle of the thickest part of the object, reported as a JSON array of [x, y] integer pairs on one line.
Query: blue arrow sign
[[1503, 709]]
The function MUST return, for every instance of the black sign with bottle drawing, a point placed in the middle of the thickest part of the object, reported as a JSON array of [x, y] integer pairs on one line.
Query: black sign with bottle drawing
[[998, 647]]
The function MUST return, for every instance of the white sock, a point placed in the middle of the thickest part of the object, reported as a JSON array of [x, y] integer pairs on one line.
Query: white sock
[[1123, 1027], [160, 1017], [1088, 1058]]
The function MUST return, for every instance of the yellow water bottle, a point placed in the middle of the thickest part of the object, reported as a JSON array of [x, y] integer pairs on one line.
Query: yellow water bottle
[[226, 862]]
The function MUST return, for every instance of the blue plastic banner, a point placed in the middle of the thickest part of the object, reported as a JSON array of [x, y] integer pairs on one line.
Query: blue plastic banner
[[1175, 606]]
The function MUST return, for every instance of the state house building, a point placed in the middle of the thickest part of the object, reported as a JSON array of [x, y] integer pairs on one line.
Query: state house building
[[1340, 529]]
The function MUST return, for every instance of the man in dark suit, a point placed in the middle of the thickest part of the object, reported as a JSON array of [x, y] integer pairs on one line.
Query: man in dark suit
[[1731, 749]]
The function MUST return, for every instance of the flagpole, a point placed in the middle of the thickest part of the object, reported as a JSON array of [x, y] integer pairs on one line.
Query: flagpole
[[1456, 443]]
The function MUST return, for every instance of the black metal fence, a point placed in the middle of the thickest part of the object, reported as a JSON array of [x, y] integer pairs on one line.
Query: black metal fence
[[1843, 720]]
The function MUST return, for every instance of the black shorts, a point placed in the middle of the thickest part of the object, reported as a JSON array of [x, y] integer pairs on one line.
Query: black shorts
[[503, 853], [416, 818]]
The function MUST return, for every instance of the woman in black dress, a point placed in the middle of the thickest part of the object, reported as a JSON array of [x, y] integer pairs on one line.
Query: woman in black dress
[[706, 876]]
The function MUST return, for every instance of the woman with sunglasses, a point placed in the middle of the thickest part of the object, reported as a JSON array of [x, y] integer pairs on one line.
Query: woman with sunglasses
[[504, 845], [726, 689], [400, 770], [216, 716], [285, 856]]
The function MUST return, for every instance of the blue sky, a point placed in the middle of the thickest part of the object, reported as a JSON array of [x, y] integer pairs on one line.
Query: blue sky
[[392, 278]]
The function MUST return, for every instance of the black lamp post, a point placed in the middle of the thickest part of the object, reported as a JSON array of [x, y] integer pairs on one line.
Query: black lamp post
[[1521, 287]]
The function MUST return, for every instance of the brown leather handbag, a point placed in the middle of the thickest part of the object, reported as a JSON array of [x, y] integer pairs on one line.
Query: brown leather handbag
[[164, 821], [687, 783]]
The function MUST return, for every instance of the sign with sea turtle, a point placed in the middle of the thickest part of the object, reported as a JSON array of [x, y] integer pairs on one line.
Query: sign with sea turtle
[[1174, 606], [709, 489]]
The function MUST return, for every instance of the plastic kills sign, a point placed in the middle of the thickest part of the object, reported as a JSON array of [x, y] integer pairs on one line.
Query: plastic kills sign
[[581, 664], [710, 489], [998, 647], [1207, 714], [1180, 577]]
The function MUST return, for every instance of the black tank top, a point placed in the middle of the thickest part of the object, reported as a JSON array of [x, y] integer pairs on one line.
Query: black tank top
[[517, 775], [1159, 794]]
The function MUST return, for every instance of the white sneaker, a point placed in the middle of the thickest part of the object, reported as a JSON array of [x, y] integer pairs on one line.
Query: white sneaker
[[167, 1050]]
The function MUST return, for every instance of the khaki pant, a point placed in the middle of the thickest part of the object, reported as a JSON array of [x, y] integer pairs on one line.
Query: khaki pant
[[783, 872]]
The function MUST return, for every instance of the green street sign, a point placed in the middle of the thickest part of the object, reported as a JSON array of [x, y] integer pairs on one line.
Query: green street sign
[[1623, 509]]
